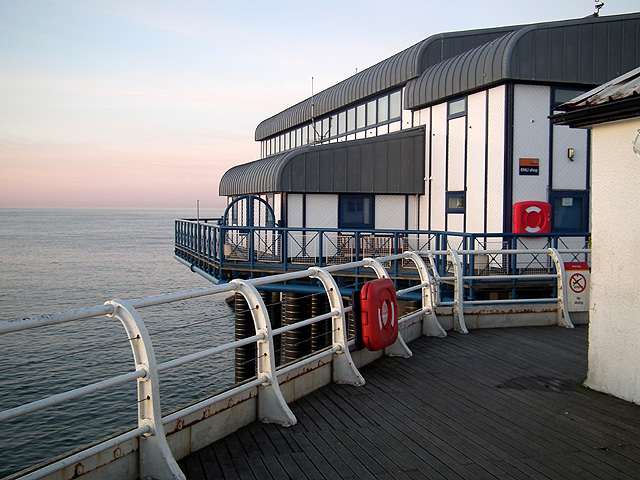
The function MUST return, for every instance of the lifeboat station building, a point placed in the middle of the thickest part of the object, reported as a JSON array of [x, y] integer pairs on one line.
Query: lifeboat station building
[[451, 134]]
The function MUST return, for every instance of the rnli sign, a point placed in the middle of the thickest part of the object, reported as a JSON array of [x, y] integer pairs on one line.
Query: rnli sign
[[529, 166], [577, 281]]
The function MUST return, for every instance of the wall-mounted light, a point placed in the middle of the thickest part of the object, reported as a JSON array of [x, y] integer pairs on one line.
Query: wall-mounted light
[[636, 144], [570, 154]]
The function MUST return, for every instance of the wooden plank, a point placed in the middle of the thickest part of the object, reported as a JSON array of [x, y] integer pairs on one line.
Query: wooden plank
[[493, 404]]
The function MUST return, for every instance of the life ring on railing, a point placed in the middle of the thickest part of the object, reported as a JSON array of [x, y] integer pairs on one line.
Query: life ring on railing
[[379, 314], [531, 217]]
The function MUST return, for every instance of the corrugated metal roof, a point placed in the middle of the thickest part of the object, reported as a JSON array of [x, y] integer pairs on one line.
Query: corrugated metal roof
[[393, 72], [622, 87], [587, 51], [388, 164]]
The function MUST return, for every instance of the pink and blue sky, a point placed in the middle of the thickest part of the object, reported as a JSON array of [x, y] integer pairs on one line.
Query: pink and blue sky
[[145, 103]]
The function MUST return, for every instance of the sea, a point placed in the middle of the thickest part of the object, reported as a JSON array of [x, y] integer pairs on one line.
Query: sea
[[54, 260]]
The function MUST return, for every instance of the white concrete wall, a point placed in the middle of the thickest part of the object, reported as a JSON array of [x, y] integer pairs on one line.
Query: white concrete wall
[[614, 331]]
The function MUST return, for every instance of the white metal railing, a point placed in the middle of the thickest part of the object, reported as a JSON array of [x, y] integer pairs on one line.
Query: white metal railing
[[458, 280], [156, 459]]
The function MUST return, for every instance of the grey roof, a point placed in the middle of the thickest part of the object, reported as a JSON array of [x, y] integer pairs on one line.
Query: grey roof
[[393, 72], [388, 164], [615, 100], [587, 51]]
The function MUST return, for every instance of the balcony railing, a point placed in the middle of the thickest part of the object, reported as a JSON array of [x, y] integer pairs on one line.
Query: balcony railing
[[222, 251]]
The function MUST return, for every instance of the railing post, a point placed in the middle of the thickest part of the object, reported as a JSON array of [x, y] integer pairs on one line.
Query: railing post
[[430, 325], [344, 370], [563, 314], [155, 457], [458, 294], [272, 407]]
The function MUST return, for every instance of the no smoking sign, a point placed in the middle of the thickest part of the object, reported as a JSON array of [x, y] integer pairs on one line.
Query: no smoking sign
[[578, 283], [577, 274]]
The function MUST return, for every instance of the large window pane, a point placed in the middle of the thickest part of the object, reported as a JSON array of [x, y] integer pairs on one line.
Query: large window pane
[[372, 115], [383, 109], [395, 105], [342, 123], [351, 120], [356, 211], [333, 126], [360, 117]]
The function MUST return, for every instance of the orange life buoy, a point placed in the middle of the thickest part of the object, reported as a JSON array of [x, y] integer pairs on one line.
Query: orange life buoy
[[379, 314], [531, 217]]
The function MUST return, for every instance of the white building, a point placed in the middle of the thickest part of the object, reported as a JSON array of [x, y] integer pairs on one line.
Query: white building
[[612, 113], [450, 134]]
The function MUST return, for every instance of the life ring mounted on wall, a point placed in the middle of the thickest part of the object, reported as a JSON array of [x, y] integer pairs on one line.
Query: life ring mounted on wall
[[531, 217], [378, 314]]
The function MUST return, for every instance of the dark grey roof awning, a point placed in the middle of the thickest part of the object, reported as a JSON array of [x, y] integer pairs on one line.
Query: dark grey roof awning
[[393, 72], [587, 51], [387, 164]]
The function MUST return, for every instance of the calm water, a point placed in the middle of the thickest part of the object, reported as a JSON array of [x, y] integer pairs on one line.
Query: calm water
[[54, 260]]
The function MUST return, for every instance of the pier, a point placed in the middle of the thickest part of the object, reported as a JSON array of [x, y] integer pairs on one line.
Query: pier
[[491, 404]]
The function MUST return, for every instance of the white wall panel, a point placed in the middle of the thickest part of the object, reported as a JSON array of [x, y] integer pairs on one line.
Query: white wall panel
[[407, 119], [294, 219], [568, 174], [457, 149], [438, 163], [413, 222], [495, 168], [390, 212], [455, 222], [322, 212], [425, 119], [476, 171], [395, 126], [294, 210], [531, 140]]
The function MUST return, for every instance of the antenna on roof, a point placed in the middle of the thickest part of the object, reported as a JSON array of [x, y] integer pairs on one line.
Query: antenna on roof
[[599, 5], [313, 121]]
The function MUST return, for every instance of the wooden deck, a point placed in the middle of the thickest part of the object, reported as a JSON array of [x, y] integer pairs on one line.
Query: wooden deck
[[493, 404]]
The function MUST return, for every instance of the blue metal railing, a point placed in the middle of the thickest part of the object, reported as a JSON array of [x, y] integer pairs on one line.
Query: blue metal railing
[[221, 251]]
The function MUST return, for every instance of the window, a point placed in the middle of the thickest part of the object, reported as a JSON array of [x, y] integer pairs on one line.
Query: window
[[563, 95], [383, 109], [455, 202], [355, 211], [324, 133], [569, 211], [457, 108], [351, 120], [360, 117], [395, 105], [342, 123], [333, 126], [372, 114]]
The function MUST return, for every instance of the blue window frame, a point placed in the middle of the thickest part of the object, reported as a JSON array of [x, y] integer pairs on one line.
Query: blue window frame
[[455, 202], [569, 211], [356, 211]]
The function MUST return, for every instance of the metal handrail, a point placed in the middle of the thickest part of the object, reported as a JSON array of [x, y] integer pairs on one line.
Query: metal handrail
[[270, 401]]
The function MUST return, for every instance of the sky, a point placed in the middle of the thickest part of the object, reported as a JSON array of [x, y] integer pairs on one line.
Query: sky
[[146, 103]]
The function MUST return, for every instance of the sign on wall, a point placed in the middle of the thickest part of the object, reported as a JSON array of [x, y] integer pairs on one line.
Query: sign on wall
[[529, 166]]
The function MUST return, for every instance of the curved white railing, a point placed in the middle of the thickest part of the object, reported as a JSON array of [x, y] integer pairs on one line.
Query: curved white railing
[[155, 457]]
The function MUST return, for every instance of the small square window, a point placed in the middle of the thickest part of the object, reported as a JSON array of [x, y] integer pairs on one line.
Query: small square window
[[457, 108], [455, 202]]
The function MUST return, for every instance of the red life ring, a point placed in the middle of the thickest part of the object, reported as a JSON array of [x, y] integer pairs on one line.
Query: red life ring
[[531, 217], [379, 314]]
